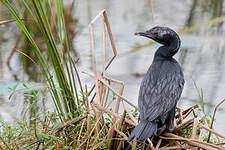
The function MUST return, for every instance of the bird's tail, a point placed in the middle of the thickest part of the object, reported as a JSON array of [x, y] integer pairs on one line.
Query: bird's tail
[[143, 131]]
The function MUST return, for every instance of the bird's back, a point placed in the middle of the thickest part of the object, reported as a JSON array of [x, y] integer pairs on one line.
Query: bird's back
[[160, 89]]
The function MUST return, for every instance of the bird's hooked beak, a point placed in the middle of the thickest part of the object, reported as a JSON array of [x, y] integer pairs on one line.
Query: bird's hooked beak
[[146, 34], [150, 35]]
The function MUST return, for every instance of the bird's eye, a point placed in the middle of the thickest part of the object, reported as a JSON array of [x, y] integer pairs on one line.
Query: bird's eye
[[155, 33]]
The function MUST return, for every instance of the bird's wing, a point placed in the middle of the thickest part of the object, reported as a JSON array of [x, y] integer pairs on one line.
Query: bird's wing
[[158, 99]]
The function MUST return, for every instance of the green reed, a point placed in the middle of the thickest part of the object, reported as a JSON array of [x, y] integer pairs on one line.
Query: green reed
[[64, 92]]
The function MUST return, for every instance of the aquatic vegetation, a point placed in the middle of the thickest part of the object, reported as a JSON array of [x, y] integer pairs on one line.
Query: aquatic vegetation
[[89, 120]]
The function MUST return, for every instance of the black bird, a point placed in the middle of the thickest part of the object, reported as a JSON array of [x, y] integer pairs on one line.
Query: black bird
[[161, 87]]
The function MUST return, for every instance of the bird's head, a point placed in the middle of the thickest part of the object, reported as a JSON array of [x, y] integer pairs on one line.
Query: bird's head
[[162, 35]]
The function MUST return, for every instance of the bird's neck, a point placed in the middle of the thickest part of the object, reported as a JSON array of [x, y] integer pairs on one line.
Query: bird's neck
[[168, 51]]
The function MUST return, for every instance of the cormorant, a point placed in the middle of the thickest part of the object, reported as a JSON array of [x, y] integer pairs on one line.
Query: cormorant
[[161, 87]]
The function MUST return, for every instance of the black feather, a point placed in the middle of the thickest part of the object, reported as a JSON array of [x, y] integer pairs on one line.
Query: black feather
[[143, 130], [161, 87]]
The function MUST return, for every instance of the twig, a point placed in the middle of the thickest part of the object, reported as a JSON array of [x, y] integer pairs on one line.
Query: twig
[[180, 115], [94, 128], [111, 39], [194, 128], [1, 148], [123, 98], [151, 9], [187, 111], [191, 141], [114, 114], [9, 21], [67, 124], [92, 88], [121, 133], [134, 145], [122, 120], [200, 135], [107, 94], [175, 147], [213, 118], [212, 131], [158, 144], [13, 51], [130, 115], [79, 136], [150, 144], [120, 128], [185, 124]]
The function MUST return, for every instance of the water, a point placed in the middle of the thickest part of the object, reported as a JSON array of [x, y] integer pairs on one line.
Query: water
[[201, 55]]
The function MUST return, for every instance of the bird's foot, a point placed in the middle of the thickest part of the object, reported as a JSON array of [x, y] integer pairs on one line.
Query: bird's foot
[[171, 129], [160, 131]]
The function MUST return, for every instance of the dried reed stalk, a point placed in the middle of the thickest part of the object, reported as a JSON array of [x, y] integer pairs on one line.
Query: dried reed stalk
[[185, 124], [175, 147], [130, 115], [107, 85], [194, 128], [151, 9], [213, 118], [212, 131], [187, 111], [69, 123], [192, 142], [114, 114], [79, 136], [99, 94], [120, 128], [158, 143]]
